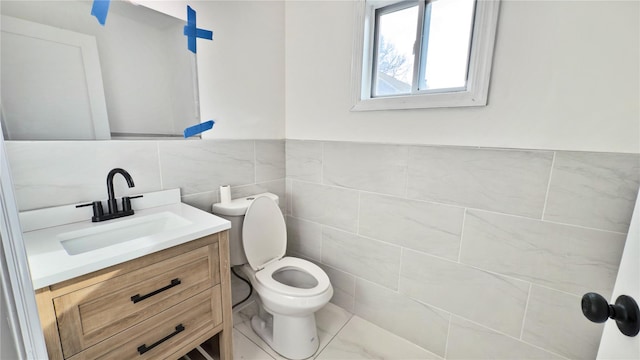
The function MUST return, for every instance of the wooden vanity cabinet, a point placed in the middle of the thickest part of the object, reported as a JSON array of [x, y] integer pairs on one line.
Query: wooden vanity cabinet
[[159, 306]]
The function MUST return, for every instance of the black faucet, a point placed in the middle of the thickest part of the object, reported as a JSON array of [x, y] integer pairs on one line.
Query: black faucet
[[112, 205]]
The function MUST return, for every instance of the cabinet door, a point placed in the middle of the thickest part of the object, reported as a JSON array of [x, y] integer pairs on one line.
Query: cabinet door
[[163, 333], [92, 314]]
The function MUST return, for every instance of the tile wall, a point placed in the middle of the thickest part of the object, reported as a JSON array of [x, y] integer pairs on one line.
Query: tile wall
[[471, 253], [50, 173]]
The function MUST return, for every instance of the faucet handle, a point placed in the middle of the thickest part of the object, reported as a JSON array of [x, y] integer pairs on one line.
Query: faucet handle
[[126, 202], [97, 209]]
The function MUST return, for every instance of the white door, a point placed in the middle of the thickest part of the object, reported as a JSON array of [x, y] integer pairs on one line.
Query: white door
[[614, 344]]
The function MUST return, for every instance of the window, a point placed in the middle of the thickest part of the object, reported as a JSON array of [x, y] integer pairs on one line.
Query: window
[[423, 53]]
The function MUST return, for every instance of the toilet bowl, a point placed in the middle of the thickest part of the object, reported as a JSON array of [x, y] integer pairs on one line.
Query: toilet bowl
[[290, 289]]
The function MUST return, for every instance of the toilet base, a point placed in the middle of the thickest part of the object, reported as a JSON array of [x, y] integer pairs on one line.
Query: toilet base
[[293, 337]]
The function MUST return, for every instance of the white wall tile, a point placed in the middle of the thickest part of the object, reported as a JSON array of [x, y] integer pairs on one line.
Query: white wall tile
[[288, 195], [369, 259], [489, 299], [563, 257], [426, 227], [325, 205], [421, 324], [371, 167], [555, 322], [276, 187], [270, 160], [469, 341], [304, 160], [508, 181], [63, 172], [304, 238], [204, 165], [202, 201], [344, 285], [596, 190], [51, 173], [509, 248]]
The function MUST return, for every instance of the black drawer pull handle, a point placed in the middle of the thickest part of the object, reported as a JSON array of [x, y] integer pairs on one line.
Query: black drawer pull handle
[[143, 348], [137, 297]]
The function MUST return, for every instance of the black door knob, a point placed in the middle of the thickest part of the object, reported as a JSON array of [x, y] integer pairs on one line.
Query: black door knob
[[625, 312]]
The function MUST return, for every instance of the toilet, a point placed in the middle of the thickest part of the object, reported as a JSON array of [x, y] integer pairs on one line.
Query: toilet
[[290, 289]]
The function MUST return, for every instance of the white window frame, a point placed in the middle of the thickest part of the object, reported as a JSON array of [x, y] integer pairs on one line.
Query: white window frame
[[479, 72]]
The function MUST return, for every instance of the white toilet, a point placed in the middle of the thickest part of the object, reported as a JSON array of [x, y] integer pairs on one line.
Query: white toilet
[[291, 289]]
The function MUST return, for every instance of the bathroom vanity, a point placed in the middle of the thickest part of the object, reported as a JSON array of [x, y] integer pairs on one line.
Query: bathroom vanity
[[155, 296], [170, 302]]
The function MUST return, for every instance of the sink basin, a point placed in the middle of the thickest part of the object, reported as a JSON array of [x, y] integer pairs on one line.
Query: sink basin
[[62, 243], [101, 236]]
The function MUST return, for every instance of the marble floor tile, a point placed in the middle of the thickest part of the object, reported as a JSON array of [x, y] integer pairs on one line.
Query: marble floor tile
[[243, 348], [331, 319], [360, 339], [244, 312]]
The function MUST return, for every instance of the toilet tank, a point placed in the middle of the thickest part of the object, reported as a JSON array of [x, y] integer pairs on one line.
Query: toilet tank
[[234, 212]]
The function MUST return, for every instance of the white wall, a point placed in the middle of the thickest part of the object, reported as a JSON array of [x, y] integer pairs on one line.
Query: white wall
[[565, 77], [241, 72]]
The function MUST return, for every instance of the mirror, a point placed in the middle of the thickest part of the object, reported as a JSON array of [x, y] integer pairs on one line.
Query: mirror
[[66, 77]]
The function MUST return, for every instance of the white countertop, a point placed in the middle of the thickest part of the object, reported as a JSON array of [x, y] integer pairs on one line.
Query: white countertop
[[50, 263]]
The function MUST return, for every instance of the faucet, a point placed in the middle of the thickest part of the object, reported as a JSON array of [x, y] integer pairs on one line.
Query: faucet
[[112, 205]]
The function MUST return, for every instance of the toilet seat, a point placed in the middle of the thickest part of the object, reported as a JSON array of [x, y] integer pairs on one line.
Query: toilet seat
[[265, 277], [264, 237], [264, 233]]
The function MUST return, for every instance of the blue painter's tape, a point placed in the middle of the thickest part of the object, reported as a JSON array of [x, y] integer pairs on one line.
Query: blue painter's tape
[[192, 32], [191, 16], [204, 34], [197, 129], [191, 39], [100, 9]]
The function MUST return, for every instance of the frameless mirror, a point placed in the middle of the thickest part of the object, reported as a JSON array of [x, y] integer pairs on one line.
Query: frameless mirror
[[66, 77]]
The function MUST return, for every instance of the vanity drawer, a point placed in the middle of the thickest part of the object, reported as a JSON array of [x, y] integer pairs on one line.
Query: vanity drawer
[[94, 313], [173, 328]]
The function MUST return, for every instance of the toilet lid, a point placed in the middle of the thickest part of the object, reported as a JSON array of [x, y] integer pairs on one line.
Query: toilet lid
[[264, 233]]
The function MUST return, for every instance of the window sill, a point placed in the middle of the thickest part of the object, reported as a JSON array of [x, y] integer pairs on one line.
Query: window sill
[[426, 101]]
